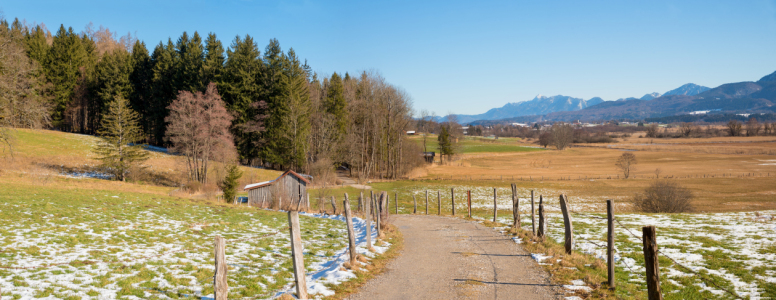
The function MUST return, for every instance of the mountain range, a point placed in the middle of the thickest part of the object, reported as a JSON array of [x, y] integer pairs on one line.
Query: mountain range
[[542, 105]]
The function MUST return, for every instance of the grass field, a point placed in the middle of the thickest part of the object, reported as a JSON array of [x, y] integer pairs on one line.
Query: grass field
[[480, 145]]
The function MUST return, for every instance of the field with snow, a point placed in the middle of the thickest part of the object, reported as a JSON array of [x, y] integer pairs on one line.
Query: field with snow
[[736, 251], [74, 244]]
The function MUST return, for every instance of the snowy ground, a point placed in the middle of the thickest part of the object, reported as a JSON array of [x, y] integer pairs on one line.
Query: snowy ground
[[120, 246], [735, 250]]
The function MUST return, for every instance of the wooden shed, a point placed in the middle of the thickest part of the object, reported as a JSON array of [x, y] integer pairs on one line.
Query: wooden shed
[[290, 187]]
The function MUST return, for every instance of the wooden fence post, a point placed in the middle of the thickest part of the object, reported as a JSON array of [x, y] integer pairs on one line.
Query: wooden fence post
[[368, 219], [515, 207], [426, 201], [610, 242], [414, 204], [651, 263], [568, 226], [376, 210], [540, 232], [469, 201], [495, 206], [333, 206], [296, 254], [361, 202], [439, 203], [533, 219], [220, 285], [396, 201], [351, 233], [452, 199]]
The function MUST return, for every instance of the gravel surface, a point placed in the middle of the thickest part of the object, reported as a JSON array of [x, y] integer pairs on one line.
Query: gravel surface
[[450, 258]]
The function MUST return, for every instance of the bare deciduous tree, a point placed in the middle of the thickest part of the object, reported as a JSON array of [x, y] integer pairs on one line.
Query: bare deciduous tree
[[652, 131], [664, 196], [753, 127], [199, 129], [734, 128], [626, 163], [562, 135], [687, 129]]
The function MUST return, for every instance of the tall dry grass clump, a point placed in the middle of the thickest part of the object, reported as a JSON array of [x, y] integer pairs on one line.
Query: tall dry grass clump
[[664, 196]]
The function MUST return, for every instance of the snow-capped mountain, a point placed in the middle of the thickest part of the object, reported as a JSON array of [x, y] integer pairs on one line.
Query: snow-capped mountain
[[689, 89]]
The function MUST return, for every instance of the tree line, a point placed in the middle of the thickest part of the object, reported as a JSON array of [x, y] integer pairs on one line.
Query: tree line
[[278, 112]]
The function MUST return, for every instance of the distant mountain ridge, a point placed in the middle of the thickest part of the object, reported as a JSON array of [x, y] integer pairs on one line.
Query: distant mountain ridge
[[542, 105]]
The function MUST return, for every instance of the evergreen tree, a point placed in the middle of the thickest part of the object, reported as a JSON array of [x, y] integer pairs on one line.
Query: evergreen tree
[[336, 105], [276, 147], [295, 124], [241, 90], [163, 89], [112, 80], [213, 66], [140, 78], [64, 59], [35, 43], [189, 70], [445, 144], [230, 182], [119, 128]]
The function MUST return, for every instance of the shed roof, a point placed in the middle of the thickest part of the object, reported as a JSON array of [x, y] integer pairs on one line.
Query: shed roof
[[270, 182]]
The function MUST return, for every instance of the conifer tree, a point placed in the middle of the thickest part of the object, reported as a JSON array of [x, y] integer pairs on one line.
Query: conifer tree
[[230, 182], [63, 61], [242, 90], [35, 43], [296, 122], [163, 62], [213, 66], [189, 69], [336, 105], [445, 144], [140, 78], [276, 147], [119, 128], [112, 79]]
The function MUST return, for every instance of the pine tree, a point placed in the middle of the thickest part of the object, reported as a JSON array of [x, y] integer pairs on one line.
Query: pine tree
[[189, 70], [296, 121], [336, 104], [163, 89], [242, 90], [119, 128], [276, 147], [112, 79], [64, 59], [35, 43], [140, 78], [230, 182], [213, 66], [445, 144]]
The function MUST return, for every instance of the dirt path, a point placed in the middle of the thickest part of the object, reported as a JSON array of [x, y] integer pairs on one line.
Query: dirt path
[[448, 258]]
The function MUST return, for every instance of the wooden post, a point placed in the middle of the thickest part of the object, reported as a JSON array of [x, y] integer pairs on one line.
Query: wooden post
[[439, 203], [495, 207], [220, 285], [426, 201], [515, 207], [568, 226], [333, 206], [540, 232], [452, 199], [351, 233], [414, 204], [396, 201], [296, 254], [610, 242], [533, 219], [469, 201], [376, 210], [361, 202], [651, 263], [368, 219]]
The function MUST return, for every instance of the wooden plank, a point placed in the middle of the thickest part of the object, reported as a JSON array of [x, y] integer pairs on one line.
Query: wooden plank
[[540, 231], [351, 232], [296, 255], [649, 235], [220, 284], [610, 243], [568, 227], [533, 219]]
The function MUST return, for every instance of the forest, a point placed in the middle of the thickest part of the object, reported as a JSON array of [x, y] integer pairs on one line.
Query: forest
[[281, 114]]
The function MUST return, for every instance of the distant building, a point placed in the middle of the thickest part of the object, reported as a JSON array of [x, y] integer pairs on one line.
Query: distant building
[[429, 156], [411, 132], [520, 125]]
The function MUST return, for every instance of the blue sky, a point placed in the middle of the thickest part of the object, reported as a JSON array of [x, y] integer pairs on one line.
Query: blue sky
[[466, 57]]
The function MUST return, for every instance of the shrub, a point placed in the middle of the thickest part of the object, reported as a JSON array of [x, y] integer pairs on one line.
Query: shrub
[[664, 196]]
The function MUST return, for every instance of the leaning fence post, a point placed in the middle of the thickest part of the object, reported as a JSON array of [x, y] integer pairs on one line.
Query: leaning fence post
[[333, 206], [651, 263], [296, 254], [452, 199], [220, 285], [415, 204], [351, 233], [495, 207], [516, 207], [540, 232], [533, 219], [610, 242], [368, 219], [568, 226], [396, 201], [469, 201], [426, 201]]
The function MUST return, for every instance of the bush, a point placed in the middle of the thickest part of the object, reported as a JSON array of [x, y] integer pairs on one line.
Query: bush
[[664, 196]]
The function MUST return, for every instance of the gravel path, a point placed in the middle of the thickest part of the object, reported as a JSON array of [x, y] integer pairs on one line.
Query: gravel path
[[449, 258]]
